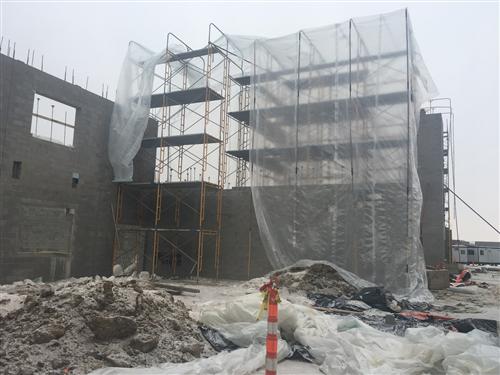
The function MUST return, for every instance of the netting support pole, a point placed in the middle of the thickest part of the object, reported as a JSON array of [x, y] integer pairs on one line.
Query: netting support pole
[[349, 113], [251, 152], [408, 143], [294, 234]]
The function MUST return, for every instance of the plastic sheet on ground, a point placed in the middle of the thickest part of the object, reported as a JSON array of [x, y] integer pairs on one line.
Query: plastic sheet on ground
[[243, 361], [347, 345], [338, 344]]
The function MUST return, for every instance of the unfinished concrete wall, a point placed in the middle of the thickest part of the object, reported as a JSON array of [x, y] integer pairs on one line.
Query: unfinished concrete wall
[[48, 226], [135, 212], [51, 229], [430, 172], [242, 253]]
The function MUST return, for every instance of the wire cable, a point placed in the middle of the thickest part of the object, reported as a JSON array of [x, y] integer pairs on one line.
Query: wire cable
[[473, 210]]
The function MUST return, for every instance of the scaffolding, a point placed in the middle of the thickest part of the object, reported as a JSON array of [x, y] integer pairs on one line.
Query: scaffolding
[[178, 214], [327, 120]]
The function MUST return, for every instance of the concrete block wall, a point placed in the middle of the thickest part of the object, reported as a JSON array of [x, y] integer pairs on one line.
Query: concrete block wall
[[242, 253], [49, 228], [431, 175]]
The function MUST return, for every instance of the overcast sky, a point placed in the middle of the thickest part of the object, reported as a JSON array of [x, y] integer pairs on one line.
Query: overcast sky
[[459, 42]]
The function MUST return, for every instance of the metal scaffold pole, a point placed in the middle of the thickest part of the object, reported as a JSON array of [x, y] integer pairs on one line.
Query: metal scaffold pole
[[179, 204]]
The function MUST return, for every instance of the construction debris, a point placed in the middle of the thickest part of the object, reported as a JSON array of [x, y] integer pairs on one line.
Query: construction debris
[[79, 325], [133, 325], [176, 287], [316, 278]]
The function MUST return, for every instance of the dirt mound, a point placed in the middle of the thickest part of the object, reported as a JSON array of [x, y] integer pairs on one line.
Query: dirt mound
[[317, 278], [78, 325]]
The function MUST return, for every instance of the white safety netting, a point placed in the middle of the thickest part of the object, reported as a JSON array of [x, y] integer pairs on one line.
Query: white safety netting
[[334, 119]]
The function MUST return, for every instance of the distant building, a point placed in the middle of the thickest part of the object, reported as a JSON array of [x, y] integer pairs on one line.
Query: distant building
[[479, 252], [489, 244]]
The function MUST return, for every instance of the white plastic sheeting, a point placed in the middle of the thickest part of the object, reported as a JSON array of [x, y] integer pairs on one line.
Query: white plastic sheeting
[[347, 345], [243, 361], [333, 161], [131, 109], [340, 345], [132, 105]]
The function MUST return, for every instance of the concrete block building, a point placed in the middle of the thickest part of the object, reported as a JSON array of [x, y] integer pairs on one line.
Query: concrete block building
[[58, 201], [55, 180]]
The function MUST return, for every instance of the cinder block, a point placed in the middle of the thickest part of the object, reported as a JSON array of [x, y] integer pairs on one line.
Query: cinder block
[[438, 279]]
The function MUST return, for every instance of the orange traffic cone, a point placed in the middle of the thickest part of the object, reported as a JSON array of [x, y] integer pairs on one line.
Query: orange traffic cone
[[270, 302]]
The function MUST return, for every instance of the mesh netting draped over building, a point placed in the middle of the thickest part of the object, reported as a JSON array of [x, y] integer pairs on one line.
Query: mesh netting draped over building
[[334, 152]]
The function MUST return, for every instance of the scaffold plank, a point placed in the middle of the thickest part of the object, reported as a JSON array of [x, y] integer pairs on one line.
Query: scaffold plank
[[197, 95], [170, 185], [274, 75], [324, 111], [179, 140], [194, 53], [321, 152]]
